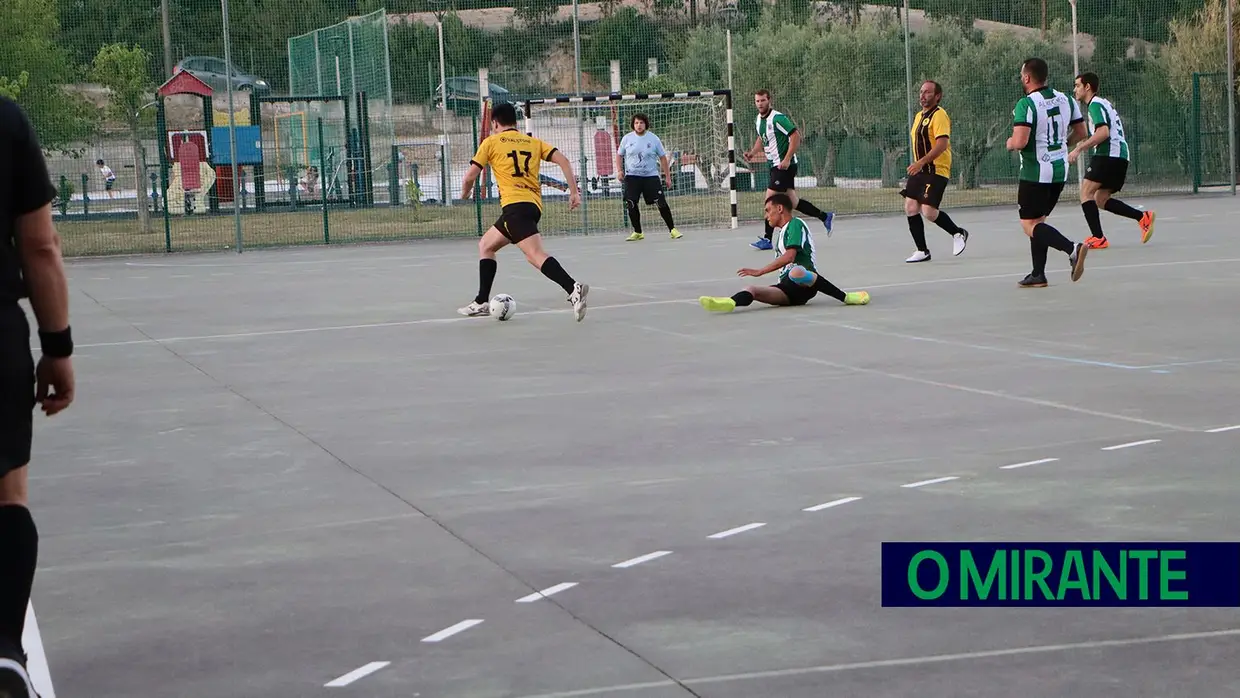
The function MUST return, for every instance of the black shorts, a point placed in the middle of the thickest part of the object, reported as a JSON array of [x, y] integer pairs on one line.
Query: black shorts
[[16, 389], [519, 221], [783, 180], [797, 294], [1037, 199], [649, 188], [1108, 172], [927, 189]]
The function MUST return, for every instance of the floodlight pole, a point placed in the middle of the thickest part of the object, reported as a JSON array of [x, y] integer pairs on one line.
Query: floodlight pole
[[232, 125], [1231, 95], [443, 96], [908, 79], [1076, 70]]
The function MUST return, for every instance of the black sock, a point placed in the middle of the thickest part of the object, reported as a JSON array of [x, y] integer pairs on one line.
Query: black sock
[[1092, 219], [945, 222], [1037, 250], [770, 231], [486, 277], [666, 212], [1120, 208], [821, 285], [917, 227], [743, 298], [809, 209], [635, 217], [1050, 237], [19, 552], [552, 270]]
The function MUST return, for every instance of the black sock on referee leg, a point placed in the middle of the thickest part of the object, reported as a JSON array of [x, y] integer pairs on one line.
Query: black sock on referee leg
[[945, 222], [19, 553], [1050, 237], [917, 227], [486, 278], [552, 270], [1120, 208], [809, 209], [743, 298], [821, 285], [1092, 219]]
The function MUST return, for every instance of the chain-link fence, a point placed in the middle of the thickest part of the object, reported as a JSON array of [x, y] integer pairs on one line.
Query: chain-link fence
[[356, 120]]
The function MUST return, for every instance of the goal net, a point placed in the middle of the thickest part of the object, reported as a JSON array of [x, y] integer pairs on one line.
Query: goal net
[[696, 131]]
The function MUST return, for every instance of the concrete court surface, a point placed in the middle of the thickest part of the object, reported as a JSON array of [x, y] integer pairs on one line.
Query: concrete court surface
[[299, 473]]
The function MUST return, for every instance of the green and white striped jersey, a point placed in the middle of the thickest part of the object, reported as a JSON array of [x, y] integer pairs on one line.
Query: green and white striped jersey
[[775, 130], [795, 234], [1050, 115], [1102, 113]]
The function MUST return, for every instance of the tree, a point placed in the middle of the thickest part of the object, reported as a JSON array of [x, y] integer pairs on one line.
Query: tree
[[876, 108], [125, 72], [28, 30]]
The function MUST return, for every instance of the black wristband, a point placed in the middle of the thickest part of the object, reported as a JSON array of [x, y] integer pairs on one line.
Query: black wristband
[[57, 345]]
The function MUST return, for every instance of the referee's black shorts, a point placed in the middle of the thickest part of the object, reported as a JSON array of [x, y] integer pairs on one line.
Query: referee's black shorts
[[782, 180], [649, 188], [519, 221], [16, 389], [1110, 173], [1037, 199], [925, 188]]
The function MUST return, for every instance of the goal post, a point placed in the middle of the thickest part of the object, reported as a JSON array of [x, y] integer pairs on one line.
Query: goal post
[[696, 129]]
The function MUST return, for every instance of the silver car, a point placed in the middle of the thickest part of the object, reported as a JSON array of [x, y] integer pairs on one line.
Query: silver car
[[213, 71]]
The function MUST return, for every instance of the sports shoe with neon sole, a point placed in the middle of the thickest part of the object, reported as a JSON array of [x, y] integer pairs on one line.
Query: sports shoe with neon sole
[[857, 298], [675, 234], [634, 237], [717, 305], [1147, 226]]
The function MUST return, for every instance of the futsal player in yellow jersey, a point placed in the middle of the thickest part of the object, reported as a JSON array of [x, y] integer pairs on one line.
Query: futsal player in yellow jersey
[[929, 174]]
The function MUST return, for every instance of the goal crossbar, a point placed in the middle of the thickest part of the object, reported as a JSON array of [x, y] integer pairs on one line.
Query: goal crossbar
[[527, 108]]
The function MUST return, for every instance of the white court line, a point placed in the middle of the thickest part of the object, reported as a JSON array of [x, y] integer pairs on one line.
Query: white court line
[[356, 674], [453, 630], [828, 505], [641, 558], [734, 531], [36, 658], [549, 591], [935, 481], [1027, 463], [1222, 429], [1130, 444]]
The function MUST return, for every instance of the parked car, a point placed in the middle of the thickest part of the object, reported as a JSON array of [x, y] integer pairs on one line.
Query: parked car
[[463, 94], [213, 71]]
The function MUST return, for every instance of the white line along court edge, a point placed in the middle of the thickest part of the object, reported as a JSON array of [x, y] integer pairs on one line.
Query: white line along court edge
[[452, 630], [1130, 444], [833, 503], [1027, 463], [935, 481], [356, 674], [734, 531], [549, 591], [641, 558]]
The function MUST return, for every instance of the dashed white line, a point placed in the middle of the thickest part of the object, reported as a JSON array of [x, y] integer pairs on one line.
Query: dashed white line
[[1130, 444], [453, 630], [641, 558], [734, 531], [1027, 463], [1222, 429], [935, 481], [356, 674], [549, 591], [833, 503]]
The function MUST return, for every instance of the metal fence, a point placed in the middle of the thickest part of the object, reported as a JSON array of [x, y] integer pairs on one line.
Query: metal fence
[[361, 128]]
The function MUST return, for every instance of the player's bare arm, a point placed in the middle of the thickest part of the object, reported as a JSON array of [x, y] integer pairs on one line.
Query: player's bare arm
[[941, 144], [574, 196], [1078, 133], [1019, 138], [788, 257], [793, 141], [44, 271], [471, 176], [1100, 134], [667, 170]]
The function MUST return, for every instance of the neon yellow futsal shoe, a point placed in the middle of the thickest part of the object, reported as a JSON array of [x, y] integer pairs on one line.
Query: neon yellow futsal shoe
[[717, 305], [634, 237], [676, 234], [857, 298]]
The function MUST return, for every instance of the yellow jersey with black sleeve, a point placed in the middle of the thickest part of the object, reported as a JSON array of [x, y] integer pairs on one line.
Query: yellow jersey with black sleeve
[[929, 126]]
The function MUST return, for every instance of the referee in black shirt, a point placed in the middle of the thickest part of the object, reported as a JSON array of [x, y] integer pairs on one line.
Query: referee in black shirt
[[30, 267]]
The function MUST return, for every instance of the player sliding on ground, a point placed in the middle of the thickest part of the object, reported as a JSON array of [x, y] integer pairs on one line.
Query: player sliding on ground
[[799, 280], [514, 158]]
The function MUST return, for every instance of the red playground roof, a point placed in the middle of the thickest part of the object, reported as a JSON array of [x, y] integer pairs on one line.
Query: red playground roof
[[184, 83]]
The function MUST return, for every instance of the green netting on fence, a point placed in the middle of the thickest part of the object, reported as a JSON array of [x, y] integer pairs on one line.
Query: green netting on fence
[[846, 72]]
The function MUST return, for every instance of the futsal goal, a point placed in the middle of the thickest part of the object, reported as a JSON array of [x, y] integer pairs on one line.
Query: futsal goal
[[696, 129]]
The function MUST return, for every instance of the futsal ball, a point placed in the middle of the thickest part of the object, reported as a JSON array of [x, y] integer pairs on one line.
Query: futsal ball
[[503, 306]]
